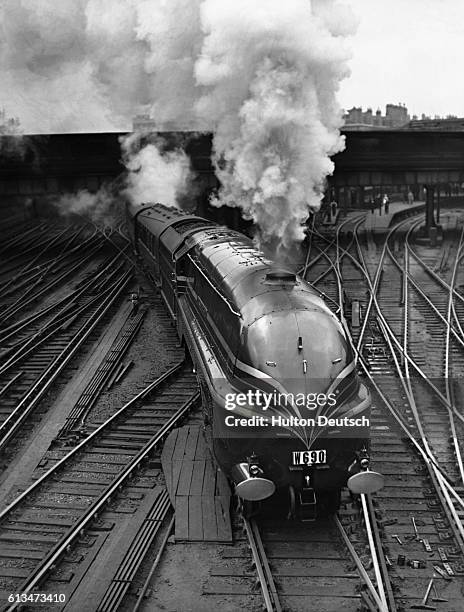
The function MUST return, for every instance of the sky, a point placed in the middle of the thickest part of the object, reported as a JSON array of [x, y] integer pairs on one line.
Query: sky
[[404, 51], [407, 51]]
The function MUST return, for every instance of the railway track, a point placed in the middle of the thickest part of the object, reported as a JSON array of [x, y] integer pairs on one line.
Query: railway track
[[36, 349], [408, 428], [314, 567], [410, 518], [395, 433], [46, 519], [39, 275], [298, 566], [36, 359]]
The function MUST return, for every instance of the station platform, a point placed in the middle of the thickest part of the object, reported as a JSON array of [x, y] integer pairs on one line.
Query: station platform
[[379, 221]]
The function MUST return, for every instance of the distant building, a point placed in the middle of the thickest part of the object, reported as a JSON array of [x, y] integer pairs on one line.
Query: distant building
[[396, 116], [146, 123], [450, 123]]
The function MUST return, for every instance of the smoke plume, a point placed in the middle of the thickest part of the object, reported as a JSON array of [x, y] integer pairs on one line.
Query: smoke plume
[[153, 173], [102, 208], [271, 72], [262, 75]]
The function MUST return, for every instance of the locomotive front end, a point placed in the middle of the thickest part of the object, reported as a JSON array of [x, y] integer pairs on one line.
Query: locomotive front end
[[301, 417]]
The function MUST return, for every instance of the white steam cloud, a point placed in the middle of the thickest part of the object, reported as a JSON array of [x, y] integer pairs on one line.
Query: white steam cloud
[[153, 175], [88, 65], [102, 208], [262, 75], [271, 72]]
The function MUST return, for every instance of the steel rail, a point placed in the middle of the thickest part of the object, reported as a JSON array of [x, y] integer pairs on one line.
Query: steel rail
[[54, 264], [436, 276], [77, 417], [455, 314], [55, 324], [449, 384], [389, 334], [19, 237], [125, 574], [424, 451], [450, 288], [266, 580], [302, 271], [446, 322], [151, 387], [62, 316], [60, 548], [34, 244], [406, 356], [452, 411], [162, 546], [132, 261], [7, 332], [443, 487], [63, 254], [379, 576], [30, 263], [40, 387], [373, 285], [380, 569], [345, 253], [339, 287], [381, 605], [373, 536], [266, 566], [19, 304], [443, 283]]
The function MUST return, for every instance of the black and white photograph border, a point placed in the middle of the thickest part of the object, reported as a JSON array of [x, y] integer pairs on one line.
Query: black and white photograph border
[[231, 306]]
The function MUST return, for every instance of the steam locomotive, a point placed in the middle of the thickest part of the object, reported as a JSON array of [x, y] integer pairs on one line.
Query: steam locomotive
[[283, 406]]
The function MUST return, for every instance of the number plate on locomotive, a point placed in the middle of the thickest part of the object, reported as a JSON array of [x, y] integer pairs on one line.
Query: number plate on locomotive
[[309, 457]]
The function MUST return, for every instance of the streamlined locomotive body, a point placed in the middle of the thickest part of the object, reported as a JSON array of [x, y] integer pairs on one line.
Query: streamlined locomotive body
[[283, 405]]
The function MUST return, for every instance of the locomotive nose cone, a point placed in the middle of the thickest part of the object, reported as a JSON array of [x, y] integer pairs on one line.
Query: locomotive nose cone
[[366, 482]]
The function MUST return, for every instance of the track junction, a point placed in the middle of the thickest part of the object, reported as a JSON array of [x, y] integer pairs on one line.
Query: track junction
[[402, 302]]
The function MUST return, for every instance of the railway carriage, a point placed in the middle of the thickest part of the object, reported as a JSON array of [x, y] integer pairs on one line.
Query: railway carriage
[[266, 349]]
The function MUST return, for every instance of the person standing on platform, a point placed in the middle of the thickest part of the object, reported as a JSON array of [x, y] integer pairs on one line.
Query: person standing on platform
[[333, 208], [386, 203], [410, 197]]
